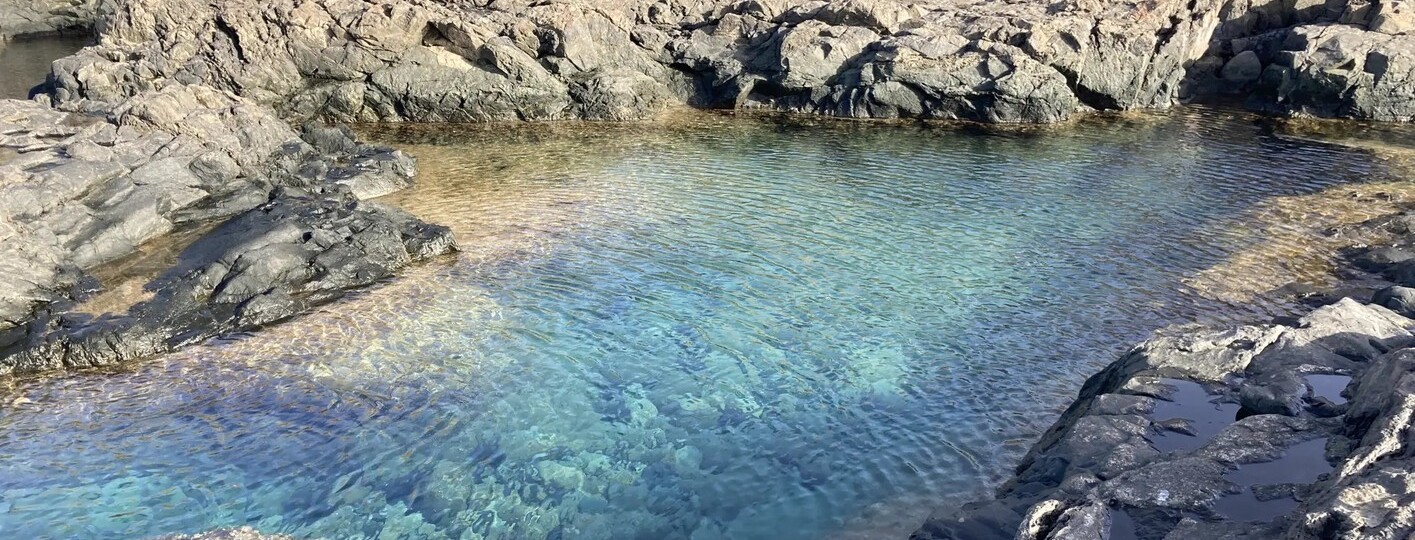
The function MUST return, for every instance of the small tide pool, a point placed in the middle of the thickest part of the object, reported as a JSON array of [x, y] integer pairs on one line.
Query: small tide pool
[[708, 328]]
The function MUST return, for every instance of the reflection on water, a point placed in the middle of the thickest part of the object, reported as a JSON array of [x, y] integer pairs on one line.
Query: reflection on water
[[24, 63], [706, 328]]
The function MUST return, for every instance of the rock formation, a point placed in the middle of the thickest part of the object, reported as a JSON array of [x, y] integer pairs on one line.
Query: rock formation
[[181, 118], [1297, 431], [79, 191], [1025, 61], [40, 17]]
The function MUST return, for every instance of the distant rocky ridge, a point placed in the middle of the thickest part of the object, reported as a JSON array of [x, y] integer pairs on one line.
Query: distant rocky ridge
[[1017, 61]]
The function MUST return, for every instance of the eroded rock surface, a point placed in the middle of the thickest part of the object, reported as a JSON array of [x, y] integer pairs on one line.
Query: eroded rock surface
[[242, 533], [1024, 61], [78, 190], [1296, 457], [302, 248], [37, 17]]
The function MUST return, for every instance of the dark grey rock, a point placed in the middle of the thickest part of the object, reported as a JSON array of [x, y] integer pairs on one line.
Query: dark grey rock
[[1398, 299], [89, 189], [300, 249], [1095, 471]]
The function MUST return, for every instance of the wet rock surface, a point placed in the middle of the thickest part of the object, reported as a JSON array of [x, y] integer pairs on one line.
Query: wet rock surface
[[1295, 430], [1031, 61]]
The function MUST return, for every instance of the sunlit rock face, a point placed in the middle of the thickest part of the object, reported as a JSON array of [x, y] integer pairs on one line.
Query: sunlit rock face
[[1033, 61]]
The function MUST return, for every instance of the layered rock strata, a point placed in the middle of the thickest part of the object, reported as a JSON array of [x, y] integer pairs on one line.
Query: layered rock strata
[[1023, 61]]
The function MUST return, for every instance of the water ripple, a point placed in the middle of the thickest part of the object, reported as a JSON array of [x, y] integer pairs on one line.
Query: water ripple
[[707, 328]]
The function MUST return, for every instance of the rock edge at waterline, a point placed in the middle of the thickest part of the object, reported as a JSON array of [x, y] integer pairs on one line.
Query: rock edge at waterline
[[79, 190], [1301, 430]]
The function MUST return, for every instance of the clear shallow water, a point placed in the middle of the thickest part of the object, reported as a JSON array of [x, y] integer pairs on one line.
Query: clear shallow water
[[714, 328]]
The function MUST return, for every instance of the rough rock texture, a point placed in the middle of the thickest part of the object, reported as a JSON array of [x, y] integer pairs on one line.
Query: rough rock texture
[[1020, 61], [1137, 457], [1359, 63], [77, 191], [41, 17], [300, 249]]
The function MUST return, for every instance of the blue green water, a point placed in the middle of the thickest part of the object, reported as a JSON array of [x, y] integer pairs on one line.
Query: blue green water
[[716, 328]]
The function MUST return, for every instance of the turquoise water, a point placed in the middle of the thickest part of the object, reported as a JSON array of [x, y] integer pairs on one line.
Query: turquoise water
[[715, 328]]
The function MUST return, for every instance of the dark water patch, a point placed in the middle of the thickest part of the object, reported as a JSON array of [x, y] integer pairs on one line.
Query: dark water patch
[[1204, 416], [24, 62], [1329, 386], [1302, 463], [1247, 507], [1122, 526]]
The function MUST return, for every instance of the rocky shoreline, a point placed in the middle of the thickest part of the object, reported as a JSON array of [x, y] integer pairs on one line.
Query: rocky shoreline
[[1024, 61], [207, 116], [1294, 430]]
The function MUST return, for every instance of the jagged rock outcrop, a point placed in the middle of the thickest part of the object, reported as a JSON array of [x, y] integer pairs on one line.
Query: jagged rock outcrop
[[1301, 431], [77, 191], [1026, 61], [80, 190]]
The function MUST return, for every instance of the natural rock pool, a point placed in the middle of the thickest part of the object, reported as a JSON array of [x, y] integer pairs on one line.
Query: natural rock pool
[[704, 328]]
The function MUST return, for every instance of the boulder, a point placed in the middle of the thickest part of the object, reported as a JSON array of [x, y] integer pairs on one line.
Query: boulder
[[1110, 453]]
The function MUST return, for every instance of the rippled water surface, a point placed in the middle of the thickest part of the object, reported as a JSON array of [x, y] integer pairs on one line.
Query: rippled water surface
[[708, 328]]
